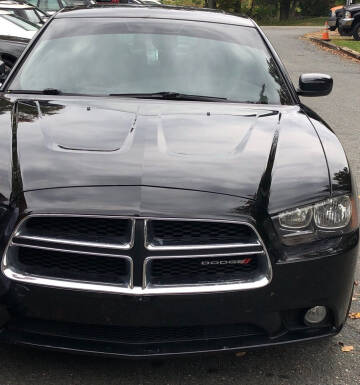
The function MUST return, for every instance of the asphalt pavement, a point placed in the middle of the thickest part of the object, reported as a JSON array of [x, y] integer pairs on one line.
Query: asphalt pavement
[[315, 363]]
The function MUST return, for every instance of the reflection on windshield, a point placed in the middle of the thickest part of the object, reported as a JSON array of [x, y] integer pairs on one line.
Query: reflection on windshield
[[132, 57]]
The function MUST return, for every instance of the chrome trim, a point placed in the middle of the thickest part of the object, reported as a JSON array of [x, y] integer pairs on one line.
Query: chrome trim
[[298, 233], [346, 22], [201, 289], [64, 284], [14, 244], [136, 290], [126, 246], [152, 247], [10, 272]]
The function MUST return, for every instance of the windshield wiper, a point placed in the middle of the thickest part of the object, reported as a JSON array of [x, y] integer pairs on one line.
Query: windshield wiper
[[167, 95], [46, 91]]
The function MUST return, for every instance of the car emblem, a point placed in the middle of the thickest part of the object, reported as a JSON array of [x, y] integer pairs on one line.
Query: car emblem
[[244, 261]]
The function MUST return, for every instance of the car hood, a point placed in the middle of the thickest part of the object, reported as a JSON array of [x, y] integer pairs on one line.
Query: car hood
[[239, 150], [353, 7]]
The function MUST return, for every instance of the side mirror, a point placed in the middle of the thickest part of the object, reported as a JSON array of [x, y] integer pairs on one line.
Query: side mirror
[[315, 85]]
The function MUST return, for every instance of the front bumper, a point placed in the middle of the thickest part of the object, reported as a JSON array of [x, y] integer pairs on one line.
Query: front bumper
[[332, 22], [346, 23], [139, 326]]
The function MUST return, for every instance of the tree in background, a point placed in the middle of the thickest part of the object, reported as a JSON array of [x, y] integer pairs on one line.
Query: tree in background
[[285, 9], [264, 10], [315, 7]]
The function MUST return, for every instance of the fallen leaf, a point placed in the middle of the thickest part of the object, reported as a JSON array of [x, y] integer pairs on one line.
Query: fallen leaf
[[347, 348], [240, 354], [354, 315]]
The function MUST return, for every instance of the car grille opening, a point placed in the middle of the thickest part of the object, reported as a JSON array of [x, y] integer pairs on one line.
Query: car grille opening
[[79, 229], [71, 266], [173, 271], [197, 233]]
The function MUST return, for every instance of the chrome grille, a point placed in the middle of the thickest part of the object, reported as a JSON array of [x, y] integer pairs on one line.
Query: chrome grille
[[137, 256], [202, 269], [71, 266], [91, 231], [199, 234]]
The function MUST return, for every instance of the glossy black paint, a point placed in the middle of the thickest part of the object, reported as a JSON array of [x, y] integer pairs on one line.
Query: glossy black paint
[[315, 85], [226, 161]]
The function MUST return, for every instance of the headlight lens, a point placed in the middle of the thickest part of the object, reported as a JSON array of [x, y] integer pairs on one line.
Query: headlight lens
[[347, 15], [297, 219], [333, 214], [305, 224]]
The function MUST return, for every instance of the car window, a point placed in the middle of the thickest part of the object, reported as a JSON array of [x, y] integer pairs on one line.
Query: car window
[[19, 22], [143, 56], [33, 2], [28, 14], [49, 5]]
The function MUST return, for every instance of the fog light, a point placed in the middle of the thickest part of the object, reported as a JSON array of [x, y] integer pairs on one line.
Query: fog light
[[315, 315]]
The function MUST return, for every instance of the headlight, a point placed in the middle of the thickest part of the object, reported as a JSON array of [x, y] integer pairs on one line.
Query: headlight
[[332, 216], [347, 15], [297, 219]]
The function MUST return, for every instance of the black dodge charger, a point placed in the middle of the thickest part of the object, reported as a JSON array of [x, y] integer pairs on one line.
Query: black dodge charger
[[163, 190]]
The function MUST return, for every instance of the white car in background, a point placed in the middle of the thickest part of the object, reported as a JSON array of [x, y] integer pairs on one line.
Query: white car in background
[[26, 11], [52, 6], [12, 25], [151, 2]]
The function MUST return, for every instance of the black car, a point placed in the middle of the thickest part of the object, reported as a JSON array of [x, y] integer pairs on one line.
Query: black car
[[349, 24], [157, 198], [11, 48]]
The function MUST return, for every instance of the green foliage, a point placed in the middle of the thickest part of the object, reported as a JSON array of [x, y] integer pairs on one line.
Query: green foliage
[[315, 7], [185, 3], [269, 11], [352, 44]]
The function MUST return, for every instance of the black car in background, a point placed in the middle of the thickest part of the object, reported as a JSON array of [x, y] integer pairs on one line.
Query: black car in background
[[11, 47], [186, 202], [349, 24], [335, 15]]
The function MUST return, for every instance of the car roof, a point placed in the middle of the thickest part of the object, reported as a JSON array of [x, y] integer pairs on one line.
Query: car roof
[[14, 5], [155, 12]]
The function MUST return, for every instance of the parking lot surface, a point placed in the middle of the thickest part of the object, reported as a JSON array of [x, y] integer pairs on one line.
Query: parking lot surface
[[316, 363]]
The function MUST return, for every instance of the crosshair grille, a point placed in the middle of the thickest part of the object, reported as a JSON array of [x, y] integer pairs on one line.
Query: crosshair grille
[[106, 253]]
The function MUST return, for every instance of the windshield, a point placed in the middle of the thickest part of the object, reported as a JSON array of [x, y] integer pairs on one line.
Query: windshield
[[137, 56], [19, 22], [28, 14], [74, 3], [49, 5]]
